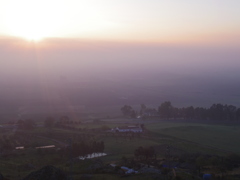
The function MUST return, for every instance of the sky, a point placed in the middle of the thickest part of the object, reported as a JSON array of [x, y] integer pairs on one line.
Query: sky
[[169, 44], [162, 21]]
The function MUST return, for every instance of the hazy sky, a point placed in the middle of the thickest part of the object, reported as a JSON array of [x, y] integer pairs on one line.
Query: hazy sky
[[167, 44], [200, 36], [133, 20]]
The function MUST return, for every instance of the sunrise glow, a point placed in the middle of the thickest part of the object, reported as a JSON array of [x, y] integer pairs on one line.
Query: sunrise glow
[[133, 21], [36, 20], [33, 20]]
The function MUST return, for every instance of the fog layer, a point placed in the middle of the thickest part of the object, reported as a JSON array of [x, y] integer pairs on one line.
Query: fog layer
[[84, 73]]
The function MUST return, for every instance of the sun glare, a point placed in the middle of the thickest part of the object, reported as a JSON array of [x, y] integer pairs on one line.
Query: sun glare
[[33, 20]]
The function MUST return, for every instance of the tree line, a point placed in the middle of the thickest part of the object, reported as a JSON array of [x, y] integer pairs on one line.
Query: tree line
[[166, 110], [83, 148]]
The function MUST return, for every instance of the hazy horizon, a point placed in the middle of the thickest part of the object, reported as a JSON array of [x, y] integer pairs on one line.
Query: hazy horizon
[[77, 72], [115, 53]]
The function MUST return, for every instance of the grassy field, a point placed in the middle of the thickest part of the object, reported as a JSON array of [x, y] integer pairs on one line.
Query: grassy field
[[189, 137], [220, 137]]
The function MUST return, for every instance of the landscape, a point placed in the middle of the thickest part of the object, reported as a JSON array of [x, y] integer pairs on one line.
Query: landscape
[[143, 144], [109, 90]]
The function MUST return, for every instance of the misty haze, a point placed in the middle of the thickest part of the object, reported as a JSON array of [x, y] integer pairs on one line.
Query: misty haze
[[111, 89], [101, 74]]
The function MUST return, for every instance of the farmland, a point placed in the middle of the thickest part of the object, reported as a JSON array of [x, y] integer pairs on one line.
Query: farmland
[[182, 138]]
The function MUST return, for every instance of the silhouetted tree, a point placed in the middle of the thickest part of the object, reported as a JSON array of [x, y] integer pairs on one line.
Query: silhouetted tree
[[216, 112], [201, 113], [189, 112], [142, 109], [165, 109], [127, 110], [133, 114], [238, 114], [175, 113], [230, 112], [83, 148], [139, 152], [101, 146]]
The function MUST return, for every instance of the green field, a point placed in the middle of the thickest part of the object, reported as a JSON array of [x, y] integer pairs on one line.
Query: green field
[[219, 137]]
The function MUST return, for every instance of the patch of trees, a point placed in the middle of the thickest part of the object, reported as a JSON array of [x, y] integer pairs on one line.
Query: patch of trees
[[126, 135], [26, 124], [20, 139], [166, 110], [65, 120], [128, 111], [83, 148], [215, 112], [145, 153]]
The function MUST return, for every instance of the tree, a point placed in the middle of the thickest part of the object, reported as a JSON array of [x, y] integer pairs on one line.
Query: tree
[[150, 153], [143, 108], [230, 112], [139, 152], [127, 110], [165, 109], [133, 114], [201, 113], [145, 152], [238, 114], [102, 146], [189, 112], [49, 122], [175, 112]]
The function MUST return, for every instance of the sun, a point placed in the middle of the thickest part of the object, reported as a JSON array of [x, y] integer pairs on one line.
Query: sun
[[28, 32], [34, 20]]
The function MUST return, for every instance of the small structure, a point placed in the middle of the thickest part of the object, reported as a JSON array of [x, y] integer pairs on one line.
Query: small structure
[[134, 129], [91, 156], [20, 147], [207, 177], [128, 170], [46, 147]]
